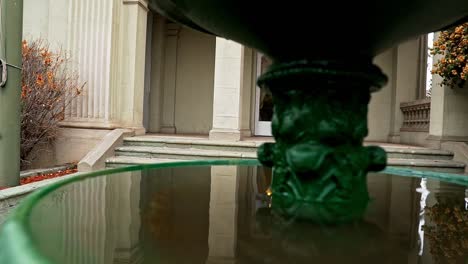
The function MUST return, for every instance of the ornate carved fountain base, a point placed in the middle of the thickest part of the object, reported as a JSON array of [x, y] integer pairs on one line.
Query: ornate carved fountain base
[[319, 124]]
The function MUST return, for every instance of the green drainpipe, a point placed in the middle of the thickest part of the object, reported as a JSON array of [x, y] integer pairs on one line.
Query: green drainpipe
[[11, 25]]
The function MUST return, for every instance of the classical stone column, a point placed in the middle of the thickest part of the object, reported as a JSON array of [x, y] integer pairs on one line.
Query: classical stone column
[[84, 28], [381, 107], [222, 239], [129, 61], [170, 76], [247, 91], [227, 91], [157, 69], [449, 109], [406, 82]]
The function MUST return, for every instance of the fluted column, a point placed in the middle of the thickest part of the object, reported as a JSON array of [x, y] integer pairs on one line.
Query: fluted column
[[89, 41]]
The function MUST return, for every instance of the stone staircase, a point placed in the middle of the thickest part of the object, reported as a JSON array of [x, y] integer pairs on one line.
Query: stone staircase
[[156, 149]]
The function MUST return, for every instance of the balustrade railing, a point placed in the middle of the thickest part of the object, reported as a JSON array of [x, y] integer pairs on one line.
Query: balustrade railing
[[416, 115]]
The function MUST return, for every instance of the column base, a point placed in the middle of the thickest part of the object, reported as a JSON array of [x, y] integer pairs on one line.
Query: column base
[[245, 133], [394, 138], [90, 124], [168, 130], [138, 131], [225, 134], [435, 142]]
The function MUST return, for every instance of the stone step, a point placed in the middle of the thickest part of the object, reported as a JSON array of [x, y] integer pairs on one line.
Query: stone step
[[447, 166], [146, 155], [417, 153], [181, 153], [122, 161], [252, 146], [194, 143]]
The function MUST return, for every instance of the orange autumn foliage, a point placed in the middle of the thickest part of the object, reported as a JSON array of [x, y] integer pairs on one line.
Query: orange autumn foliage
[[47, 176], [452, 45], [48, 86]]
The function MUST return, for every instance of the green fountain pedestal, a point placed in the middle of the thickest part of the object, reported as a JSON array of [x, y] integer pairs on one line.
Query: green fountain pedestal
[[320, 121]]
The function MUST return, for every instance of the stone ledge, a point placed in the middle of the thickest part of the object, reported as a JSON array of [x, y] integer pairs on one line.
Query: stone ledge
[[96, 158], [185, 152], [36, 172], [28, 188], [12, 197], [419, 102], [89, 124], [193, 141], [418, 151], [425, 163]]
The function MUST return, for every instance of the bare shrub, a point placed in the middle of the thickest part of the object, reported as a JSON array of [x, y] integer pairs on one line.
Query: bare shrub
[[48, 87]]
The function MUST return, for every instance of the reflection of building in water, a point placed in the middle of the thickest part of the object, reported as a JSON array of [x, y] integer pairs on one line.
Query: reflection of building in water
[[74, 221], [94, 221], [395, 208], [223, 215], [222, 236], [175, 215], [236, 194], [124, 223], [236, 225], [422, 221]]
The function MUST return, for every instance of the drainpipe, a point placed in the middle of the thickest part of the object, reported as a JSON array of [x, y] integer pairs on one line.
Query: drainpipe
[[11, 25]]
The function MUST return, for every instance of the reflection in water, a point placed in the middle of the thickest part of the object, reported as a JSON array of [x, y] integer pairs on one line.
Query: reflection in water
[[447, 232], [175, 211], [424, 193], [276, 238], [361, 242], [226, 214], [95, 221]]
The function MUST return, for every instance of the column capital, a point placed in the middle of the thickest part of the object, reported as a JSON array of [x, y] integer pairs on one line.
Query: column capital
[[141, 3]]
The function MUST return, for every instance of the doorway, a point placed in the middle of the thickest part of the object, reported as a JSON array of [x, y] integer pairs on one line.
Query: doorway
[[264, 101]]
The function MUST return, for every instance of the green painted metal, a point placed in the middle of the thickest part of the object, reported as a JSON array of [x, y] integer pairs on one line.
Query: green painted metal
[[319, 160], [11, 19], [17, 245], [321, 85], [330, 30]]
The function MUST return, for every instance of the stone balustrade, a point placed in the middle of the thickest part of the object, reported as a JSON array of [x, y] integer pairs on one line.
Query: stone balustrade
[[416, 115]]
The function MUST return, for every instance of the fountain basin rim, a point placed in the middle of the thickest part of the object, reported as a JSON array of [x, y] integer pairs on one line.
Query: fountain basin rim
[[18, 245]]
